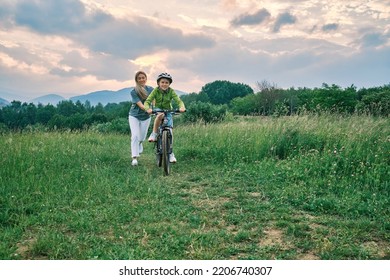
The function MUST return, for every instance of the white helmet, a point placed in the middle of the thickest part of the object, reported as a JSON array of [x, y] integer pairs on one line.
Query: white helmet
[[166, 76]]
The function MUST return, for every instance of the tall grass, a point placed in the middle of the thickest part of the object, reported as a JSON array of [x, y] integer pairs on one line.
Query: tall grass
[[286, 137], [346, 159], [254, 188]]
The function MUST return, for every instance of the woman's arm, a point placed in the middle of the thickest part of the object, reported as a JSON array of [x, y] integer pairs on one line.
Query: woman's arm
[[149, 100], [140, 105]]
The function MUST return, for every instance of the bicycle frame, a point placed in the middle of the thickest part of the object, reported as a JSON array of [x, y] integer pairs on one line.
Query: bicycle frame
[[164, 145]]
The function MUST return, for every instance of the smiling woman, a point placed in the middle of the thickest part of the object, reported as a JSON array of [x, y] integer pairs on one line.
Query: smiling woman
[[139, 120]]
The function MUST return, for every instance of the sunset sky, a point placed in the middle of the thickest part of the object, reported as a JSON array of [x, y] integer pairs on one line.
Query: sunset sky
[[72, 47]]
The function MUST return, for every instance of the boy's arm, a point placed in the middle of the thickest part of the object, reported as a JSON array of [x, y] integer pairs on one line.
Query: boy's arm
[[178, 100]]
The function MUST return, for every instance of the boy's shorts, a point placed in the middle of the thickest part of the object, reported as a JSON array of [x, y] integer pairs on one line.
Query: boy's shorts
[[169, 117]]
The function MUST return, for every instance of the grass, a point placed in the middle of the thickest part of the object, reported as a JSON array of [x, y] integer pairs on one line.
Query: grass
[[309, 187]]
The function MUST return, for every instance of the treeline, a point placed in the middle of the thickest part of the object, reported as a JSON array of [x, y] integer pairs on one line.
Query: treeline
[[65, 115], [269, 100], [211, 104]]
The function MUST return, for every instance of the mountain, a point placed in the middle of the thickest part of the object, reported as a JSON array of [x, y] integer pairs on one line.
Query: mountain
[[108, 96], [3, 102], [52, 99], [180, 93], [11, 96], [103, 96]]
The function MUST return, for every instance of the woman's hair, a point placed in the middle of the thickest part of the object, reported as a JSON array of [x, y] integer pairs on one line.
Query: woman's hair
[[141, 91]]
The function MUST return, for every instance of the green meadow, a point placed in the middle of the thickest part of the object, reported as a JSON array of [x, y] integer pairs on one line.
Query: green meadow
[[298, 187]]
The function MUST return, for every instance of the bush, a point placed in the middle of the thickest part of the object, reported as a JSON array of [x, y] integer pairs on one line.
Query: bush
[[205, 112], [3, 128], [377, 104], [244, 105], [120, 125]]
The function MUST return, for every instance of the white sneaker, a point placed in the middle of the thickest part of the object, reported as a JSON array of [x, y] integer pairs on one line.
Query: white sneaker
[[153, 137], [172, 158], [134, 162]]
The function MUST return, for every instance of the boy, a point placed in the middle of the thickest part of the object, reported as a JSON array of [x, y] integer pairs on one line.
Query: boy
[[163, 96]]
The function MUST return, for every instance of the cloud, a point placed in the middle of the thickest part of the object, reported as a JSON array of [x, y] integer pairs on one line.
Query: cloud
[[330, 27], [86, 45], [283, 19], [285, 61], [139, 37], [101, 66], [101, 32], [251, 19], [58, 16]]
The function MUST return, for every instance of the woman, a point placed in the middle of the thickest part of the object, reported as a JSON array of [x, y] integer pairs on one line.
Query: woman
[[139, 120]]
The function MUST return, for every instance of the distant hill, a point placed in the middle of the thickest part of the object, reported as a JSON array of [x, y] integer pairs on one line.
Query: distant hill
[[11, 96], [180, 93], [52, 99], [3, 102], [108, 96], [103, 96]]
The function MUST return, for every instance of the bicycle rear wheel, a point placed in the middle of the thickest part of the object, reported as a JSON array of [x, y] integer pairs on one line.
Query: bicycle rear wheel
[[165, 152]]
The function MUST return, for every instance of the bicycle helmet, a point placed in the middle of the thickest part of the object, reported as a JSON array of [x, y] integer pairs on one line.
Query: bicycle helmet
[[166, 76]]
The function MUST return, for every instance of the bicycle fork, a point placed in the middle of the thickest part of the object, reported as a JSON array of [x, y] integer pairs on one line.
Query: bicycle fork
[[158, 143]]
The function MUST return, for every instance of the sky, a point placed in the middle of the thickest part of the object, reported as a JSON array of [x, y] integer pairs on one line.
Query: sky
[[72, 47]]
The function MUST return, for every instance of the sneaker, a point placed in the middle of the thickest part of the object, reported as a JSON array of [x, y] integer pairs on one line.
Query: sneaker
[[153, 137], [134, 162], [172, 158]]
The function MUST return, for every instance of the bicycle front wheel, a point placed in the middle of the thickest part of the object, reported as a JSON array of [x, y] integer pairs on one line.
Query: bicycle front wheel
[[158, 152], [165, 152]]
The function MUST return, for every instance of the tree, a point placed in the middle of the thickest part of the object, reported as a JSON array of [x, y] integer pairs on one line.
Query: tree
[[12, 115], [195, 97], [45, 113], [376, 103], [265, 86], [222, 92], [333, 98], [67, 108], [29, 114], [57, 122]]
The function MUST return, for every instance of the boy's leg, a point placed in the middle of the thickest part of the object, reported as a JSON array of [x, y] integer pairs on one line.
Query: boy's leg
[[157, 122]]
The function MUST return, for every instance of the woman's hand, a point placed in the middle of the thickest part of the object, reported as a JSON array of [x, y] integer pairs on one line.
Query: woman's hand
[[182, 110]]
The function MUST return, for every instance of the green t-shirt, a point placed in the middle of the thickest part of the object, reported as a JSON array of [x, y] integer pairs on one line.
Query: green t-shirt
[[163, 99], [136, 111]]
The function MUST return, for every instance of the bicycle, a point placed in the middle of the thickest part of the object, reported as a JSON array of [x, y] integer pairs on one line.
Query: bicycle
[[163, 145]]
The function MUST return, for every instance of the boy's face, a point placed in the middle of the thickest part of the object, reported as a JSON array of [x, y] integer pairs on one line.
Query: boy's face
[[163, 84]]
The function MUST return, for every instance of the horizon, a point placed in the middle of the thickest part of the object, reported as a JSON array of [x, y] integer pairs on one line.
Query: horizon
[[32, 100], [25, 99]]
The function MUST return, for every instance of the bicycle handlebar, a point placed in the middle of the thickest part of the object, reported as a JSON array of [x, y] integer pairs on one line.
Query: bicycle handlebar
[[174, 111]]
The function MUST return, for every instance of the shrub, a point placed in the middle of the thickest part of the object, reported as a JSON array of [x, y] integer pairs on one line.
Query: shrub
[[205, 112], [120, 125]]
